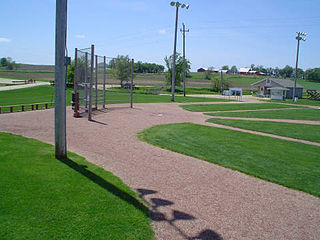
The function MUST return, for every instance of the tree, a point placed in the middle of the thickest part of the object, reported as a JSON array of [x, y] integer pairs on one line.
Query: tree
[[313, 74], [233, 69], [208, 73], [3, 62], [286, 72], [225, 67], [70, 73], [178, 69], [121, 69], [216, 84]]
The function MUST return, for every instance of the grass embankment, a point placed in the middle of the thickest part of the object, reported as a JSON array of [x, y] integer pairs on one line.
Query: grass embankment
[[293, 130], [291, 164], [293, 114], [232, 107], [44, 198]]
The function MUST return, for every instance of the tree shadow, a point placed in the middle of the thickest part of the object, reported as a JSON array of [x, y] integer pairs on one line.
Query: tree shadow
[[158, 216], [106, 185]]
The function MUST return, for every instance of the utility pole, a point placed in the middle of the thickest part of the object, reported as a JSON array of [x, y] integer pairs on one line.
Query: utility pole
[[221, 76], [176, 5], [174, 56], [60, 84], [298, 37], [183, 30]]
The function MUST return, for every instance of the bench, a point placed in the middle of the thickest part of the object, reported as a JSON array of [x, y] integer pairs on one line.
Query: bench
[[34, 106]]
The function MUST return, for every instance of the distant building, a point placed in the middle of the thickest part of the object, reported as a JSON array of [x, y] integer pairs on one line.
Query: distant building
[[201, 70], [277, 88], [249, 71]]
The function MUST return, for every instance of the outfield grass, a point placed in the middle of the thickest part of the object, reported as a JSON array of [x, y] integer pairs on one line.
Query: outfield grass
[[303, 101], [293, 130], [293, 114], [231, 107], [44, 198], [291, 164], [46, 94]]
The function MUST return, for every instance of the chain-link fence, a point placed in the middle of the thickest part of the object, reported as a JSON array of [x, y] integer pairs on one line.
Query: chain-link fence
[[100, 80]]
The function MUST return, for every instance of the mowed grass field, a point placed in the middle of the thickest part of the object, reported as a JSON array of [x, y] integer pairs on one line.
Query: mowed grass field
[[44, 198], [41, 94], [294, 114], [291, 164], [293, 130], [234, 107], [195, 80]]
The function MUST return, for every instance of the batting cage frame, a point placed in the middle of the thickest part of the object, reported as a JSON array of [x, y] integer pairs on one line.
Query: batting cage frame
[[90, 78]]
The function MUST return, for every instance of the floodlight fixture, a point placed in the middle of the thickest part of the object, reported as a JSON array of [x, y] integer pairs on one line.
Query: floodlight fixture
[[183, 5], [187, 6], [178, 4], [172, 4], [303, 39]]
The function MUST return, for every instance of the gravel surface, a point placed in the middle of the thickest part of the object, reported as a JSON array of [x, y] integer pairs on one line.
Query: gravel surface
[[190, 198]]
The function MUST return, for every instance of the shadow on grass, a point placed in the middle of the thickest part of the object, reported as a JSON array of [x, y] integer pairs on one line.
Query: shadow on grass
[[158, 216], [106, 185]]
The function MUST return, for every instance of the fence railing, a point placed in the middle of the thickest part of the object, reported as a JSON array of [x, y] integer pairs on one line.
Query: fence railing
[[25, 107]]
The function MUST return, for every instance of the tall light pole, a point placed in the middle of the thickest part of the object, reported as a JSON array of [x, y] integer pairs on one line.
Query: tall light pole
[[298, 37], [60, 84], [177, 5], [183, 30]]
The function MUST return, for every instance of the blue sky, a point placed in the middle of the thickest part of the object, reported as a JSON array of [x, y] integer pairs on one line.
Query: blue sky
[[222, 32]]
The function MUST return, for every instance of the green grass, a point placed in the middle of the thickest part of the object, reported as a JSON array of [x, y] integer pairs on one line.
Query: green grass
[[293, 130], [291, 164], [309, 84], [294, 114], [30, 95], [113, 96], [231, 107], [303, 101], [44, 198]]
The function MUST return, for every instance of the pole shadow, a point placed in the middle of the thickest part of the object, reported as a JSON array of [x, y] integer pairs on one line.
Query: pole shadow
[[106, 185], [157, 216]]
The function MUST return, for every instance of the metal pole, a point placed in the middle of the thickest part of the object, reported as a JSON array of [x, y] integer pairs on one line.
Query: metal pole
[[104, 82], [96, 83], [75, 70], [221, 81], [60, 84], [184, 58], [174, 56], [91, 82], [295, 77], [86, 81], [131, 85]]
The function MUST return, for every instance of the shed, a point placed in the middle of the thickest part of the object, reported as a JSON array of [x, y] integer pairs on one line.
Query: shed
[[263, 86]]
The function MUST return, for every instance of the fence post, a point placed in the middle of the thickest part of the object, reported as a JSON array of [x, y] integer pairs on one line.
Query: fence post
[[86, 82], [91, 82], [96, 83], [104, 81], [131, 85]]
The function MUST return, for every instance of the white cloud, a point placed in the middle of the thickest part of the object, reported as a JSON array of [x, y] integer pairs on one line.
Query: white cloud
[[80, 36], [4, 39], [162, 31]]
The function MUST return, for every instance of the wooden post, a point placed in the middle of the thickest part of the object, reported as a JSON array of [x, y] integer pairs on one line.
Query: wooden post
[[22, 108], [32, 107], [46, 105], [37, 106]]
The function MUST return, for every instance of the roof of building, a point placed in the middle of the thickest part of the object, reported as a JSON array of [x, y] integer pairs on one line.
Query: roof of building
[[286, 83], [244, 69]]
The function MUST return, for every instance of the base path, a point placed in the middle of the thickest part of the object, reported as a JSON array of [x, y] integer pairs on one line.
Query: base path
[[19, 86], [191, 198]]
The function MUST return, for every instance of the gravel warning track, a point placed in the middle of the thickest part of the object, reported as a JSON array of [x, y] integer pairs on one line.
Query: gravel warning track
[[192, 199]]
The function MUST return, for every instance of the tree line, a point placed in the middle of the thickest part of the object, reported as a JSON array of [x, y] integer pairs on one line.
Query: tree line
[[8, 63], [311, 74]]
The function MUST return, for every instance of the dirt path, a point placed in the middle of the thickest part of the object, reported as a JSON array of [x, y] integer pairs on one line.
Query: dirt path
[[193, 199]]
